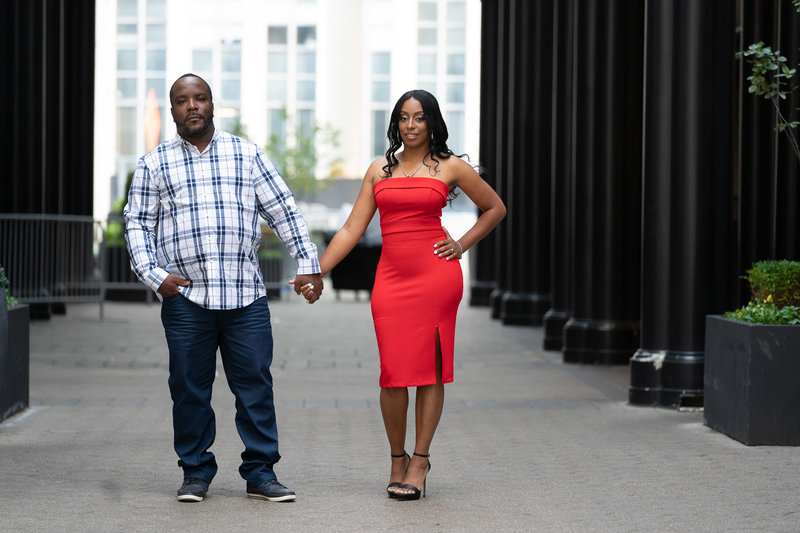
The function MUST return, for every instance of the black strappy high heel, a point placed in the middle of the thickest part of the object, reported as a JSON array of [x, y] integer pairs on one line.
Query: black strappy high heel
[[416, 491], [396, 483]]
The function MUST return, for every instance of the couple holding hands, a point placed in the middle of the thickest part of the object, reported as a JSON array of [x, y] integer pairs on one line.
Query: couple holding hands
[[193, 229]]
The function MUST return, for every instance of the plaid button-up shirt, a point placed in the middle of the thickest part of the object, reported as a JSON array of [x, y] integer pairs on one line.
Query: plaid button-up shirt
[[196, 215]]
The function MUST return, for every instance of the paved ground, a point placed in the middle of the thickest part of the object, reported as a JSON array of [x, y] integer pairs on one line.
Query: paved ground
[[526, 442]]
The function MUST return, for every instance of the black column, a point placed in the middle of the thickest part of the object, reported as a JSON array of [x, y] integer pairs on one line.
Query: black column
[[604, 325], [687, 223], [47, 61], [561, 174], [482, 256], [527, 297], [502, 146], [787, 216]]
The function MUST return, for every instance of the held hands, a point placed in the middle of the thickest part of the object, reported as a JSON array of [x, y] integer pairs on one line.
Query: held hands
[[310, 286], [448, 248], [169, 287]]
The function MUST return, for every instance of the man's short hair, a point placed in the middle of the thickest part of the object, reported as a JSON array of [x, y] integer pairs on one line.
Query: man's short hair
[[190, 75]]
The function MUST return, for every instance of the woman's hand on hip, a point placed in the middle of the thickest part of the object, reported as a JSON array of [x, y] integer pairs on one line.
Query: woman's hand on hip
[[448, 248]]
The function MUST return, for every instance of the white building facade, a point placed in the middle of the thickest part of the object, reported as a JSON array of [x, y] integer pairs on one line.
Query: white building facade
[[275, 65]]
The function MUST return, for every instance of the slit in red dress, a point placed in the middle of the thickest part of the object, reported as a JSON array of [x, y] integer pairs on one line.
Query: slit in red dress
[[438, 356]]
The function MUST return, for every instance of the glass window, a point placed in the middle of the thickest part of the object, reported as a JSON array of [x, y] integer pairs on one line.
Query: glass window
[[380, 123], [456, 37], [156, 33], [276, 90], [426, 64], [426, 37], [307, 62], [456, 11], [126, 130], [277, 35], [126, 59], [456, 64], [305, 120], [277, 62], [455, 129], [231, 89], [126, 29], [380, 91], [159, 84], [306, 91], [165, 116], [157, 60], [427, 11], [230, 124], [232, 60], [126, 87], [455, 93], [277, 123], [127, 8], [429, 86], [202, 61], [306, 35], [157, 9], [381, 63]]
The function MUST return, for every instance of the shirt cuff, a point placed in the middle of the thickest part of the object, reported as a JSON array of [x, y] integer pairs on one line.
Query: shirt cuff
[[156, 278], [308, 266]]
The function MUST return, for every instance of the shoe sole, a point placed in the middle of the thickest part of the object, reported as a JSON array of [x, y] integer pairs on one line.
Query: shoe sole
[[189, 498], [287, 498]]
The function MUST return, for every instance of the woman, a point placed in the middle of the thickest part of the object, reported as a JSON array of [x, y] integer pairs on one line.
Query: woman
[[418, 284]]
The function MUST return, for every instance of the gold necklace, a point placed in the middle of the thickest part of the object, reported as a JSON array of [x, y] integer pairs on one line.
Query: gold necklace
[[403, 168]]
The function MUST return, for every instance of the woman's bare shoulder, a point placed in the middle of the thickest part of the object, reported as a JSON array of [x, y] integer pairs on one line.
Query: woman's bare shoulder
[[455, 169], [460, 164], [375, 171], [378, 163]]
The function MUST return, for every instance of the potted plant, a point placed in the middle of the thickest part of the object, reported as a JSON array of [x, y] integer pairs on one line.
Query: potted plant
[[752, 355], [752, 360], [270, 260], [14, 352], [120, 283], [116, 263]]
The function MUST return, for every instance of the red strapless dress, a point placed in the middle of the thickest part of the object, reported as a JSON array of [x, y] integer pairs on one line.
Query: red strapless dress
[[416, 293]]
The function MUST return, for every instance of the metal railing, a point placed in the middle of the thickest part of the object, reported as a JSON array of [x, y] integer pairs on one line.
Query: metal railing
[[65, 258], [51, 258]]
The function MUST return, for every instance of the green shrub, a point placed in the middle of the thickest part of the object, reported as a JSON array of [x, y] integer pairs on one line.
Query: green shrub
[[766, 312], [10, 300], [114, 234], [270, 244], [777, 280]]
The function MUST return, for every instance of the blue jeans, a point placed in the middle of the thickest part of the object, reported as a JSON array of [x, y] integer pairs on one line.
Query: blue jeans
[[244, 339]]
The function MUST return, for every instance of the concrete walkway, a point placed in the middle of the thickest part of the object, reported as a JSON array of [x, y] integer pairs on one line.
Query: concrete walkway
[[526, 442]]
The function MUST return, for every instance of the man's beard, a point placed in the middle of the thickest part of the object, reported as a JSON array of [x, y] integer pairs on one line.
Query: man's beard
[[198, 130]]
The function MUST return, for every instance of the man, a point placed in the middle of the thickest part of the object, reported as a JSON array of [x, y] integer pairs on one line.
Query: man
[[192, 227]]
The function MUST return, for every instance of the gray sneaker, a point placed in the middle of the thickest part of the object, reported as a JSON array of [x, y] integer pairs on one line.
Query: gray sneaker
[[271, 490], [193, 489]]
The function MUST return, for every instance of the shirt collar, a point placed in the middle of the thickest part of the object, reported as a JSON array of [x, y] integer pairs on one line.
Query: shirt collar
[[189, 146]]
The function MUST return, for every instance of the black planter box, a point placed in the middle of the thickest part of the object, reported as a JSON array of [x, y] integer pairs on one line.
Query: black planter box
[[356, 272], [752, 381], [117, 265], [274, 276], [121, 284], [15, 366]]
